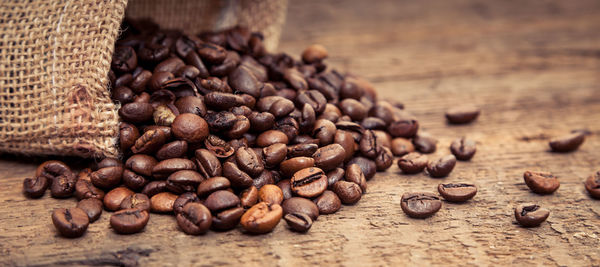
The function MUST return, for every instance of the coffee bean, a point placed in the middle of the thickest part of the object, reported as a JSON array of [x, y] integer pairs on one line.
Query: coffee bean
[[221, 200], [292, 165], [261, 218], [168, 166], [72, 222], [354, 174], [208, 164], [425, 143], [139, 82], [324, 130], [141, 164], [227, 219], [592, 185], [237, 177], [261, 121], [129, 221], [457, 192], [298, 222], [401, 146], [248, 161], [335, 175], [301, 205], [162, 202], [373, 123], [249, 197], [313, 98], [213, 184], [191, 104], [92, 207], [271, 137], [136, 201], [112, 199], [109, 162], [270, 194], [541, 182], [35, 187], [348, 192], [405, 127], [136, 112], [328, 202], [149, 142], [289, 126], [155, 187], [384, 159], [314, 53], [274, 154], [194, 219], [531, 215], [346, 140], [286, 188], [420, 204], [169, 65], [52, 169], [462, 114], [329, 157], [368, 167], [128, 134], [309, 182], [190, 128], [183, 199], [567, 143], [63, 186], [124, 59], [463, 148], [442, 166], [412, 163], [175, 149]]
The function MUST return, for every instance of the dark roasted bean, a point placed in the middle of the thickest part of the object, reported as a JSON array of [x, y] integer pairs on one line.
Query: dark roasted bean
[[463, 148], [462, 114], [420, 204], [35, 187], [261, 218], [592, 185], [92, 207], [348, 192], [329, 157], [531, 215], [194, 219], [457, 192], [129, 221], [412, 163], [328, 202], [72, 222], [309, 182], [567, 143], [298, 222], [162, 202], [442, 166], [301, 205], [541, 182], [368, 167]]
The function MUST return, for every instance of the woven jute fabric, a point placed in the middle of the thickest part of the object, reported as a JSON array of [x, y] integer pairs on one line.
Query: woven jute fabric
[[55, 56]]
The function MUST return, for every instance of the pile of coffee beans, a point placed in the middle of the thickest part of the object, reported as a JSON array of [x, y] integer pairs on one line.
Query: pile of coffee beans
[[219, 133]]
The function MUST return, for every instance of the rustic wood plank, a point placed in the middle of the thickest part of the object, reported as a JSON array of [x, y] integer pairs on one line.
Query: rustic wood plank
[[533, 67]]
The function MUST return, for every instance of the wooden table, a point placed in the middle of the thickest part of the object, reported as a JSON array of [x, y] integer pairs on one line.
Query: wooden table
[[533, 67]]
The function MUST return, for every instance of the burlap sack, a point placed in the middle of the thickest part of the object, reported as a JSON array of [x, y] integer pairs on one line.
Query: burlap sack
[[55, 56]]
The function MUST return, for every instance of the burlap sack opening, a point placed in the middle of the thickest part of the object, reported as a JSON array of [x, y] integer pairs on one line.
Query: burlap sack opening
[[55, 56]]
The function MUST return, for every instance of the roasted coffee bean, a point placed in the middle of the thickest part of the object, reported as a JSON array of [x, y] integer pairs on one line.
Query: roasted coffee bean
[[221, 200], [175, 149], [329, 157], [208, 164], [328, 202], [425, 143], [72, 222], [292, 165], [85, 189], [227, 219], [194, 219], [412, 163], [184, 181], [248, 161], [368, 167], [136, 201], [128, 133], [213, 184], [191, 104], [531, 215], [567, 143], [335, 175], [52, 169], [274, 154], [169, 65], [265, 178], [276, 105], [346, 140], [271, 137], [286, 188], [420, 205], [109, 162], [384, 159], [369, 145], [383, 138], [141, 164], [190, 128], [124, 59], [314, 53], [162, 202], [140, 81], [261, 218], [301, 205], [313, 98], [298, 222], [462, 114], [112, 200], [237, 177], [302, 150], [442, 166], [122, 95], [136, 112], [63, 186], [541, 182], [249, 197], [123, 80], [463, 148], [348, 192], [592, 185], [92, 207], [35, 187], [261, 121], [219, 147], [289, 126], [354, 174], [158, 79], [353, 108], [403, 127], [149, 142], [402, 146], [183, 199], [133, 180], [155, 187], [241, 79], [168, 166], [457, 192], [107, 177], [165, 114], [324, 130], [309, 182], [373, 123], [271, 194], [129, 221]]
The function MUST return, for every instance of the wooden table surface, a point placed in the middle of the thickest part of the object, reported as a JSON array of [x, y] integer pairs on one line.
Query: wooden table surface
[[532, 66]]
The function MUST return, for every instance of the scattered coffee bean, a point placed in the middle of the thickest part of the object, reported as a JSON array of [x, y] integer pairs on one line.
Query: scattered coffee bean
[[531, 215], [457, 192], [412, 163], [129, 221], [35, 187], [298, 222], [425, 143], [567, 143], [463, 148], [72, 222], [92, 207], [442, 166], [402, 146], [592, 185], [462, 114], [420, 204], [541, 182]]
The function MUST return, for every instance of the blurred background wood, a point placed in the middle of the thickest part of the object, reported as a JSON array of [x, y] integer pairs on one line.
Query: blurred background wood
[[533, 67]]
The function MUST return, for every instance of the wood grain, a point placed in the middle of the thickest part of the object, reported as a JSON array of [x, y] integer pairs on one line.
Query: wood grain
[[533, 67]]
